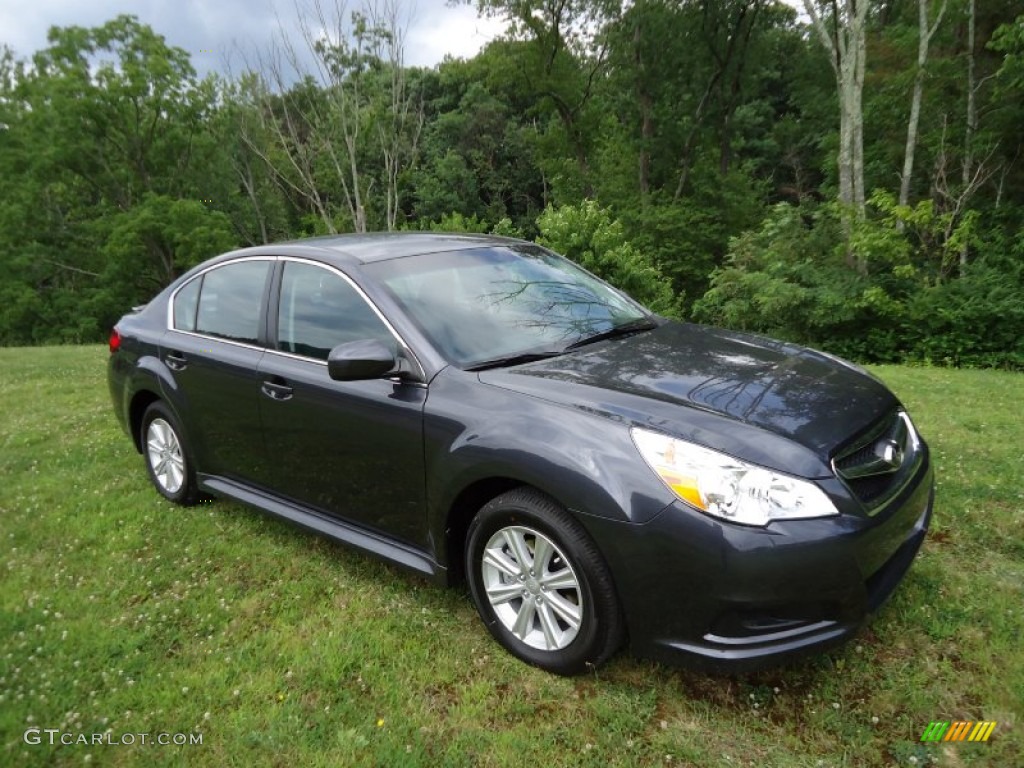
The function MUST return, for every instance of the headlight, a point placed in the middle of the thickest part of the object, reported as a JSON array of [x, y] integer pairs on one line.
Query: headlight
[[729, 488]]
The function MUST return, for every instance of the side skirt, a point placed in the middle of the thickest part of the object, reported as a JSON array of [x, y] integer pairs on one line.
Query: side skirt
[[338, 530]]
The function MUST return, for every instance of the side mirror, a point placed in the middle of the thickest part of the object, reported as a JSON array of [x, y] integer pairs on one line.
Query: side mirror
[[360, 360]]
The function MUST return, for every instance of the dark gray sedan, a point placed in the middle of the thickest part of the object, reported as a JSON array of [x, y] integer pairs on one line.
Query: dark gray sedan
[[481, 409]]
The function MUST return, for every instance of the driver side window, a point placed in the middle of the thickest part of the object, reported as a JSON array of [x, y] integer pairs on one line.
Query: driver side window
[[319, 310]]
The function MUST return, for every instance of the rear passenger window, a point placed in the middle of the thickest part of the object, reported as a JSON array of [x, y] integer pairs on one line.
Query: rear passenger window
[[319, 310], [230, 301], [185, 303]]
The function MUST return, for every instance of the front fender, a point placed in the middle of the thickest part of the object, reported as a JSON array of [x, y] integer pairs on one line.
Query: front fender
[[586, 462]]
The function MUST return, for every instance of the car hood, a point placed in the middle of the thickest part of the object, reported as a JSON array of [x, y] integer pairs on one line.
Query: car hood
[[673, 377]]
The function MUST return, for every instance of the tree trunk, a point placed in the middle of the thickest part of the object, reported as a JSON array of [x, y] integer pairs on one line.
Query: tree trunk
[[846, 47], [845, 44], [857, 110], [723, 61], [691, 138], [643, 97], [735, 91], [972, 119], [924, 37], [845, 157], [399, 130], [244, 171]]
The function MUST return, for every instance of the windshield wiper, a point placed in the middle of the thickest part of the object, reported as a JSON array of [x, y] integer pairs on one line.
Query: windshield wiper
[[503, 362], [632, 326]]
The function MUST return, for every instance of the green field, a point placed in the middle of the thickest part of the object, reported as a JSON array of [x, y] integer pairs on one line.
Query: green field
[[119, 611]]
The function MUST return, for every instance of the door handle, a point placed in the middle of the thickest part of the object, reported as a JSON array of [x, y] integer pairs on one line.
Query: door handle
[[276, 391], [175, 361]]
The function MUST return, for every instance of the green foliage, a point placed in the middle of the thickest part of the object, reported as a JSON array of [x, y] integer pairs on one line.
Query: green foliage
[[974, 321], [162, 233], [688, 237], [103, 159], [477, 156], [150, 245], [588, 235], [928, 239], [505, 228], [790, 279], [455, 222], [1008, 40], [22, 314], [448, 184]]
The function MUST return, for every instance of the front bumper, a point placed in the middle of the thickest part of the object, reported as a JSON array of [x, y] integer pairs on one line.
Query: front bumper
[[726, 597]]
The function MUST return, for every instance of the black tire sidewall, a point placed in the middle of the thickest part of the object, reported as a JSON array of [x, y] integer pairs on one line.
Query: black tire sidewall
[[588, 648], [188, 493]]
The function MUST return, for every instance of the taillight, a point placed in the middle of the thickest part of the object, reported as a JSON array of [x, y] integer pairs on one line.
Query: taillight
[[115, 341]]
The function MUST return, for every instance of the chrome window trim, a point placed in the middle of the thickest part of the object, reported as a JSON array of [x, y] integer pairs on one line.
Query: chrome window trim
[[421, 371], [196, 276], [221, 339]]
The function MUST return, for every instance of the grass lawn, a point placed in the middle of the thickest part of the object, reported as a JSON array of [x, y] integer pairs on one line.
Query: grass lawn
[[119, 611]]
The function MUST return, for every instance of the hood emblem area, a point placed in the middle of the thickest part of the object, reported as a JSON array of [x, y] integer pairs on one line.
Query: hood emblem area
[[880, 454]]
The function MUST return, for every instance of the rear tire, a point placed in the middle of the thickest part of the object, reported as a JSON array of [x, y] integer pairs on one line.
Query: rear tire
[[540, 584], [168, 459]]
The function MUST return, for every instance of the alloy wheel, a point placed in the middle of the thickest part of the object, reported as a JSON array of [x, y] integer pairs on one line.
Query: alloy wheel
[[532, 588], [163, 450]]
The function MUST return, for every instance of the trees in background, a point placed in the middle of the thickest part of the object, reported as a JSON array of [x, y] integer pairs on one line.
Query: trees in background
[[692, 152], [561, 58], [103, 160], [338, 115]]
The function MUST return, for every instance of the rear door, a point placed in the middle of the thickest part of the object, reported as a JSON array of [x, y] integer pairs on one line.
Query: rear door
[[213, 349], [352, 449]]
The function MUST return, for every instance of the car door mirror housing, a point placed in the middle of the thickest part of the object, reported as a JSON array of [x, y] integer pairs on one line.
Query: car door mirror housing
[[360, 360]]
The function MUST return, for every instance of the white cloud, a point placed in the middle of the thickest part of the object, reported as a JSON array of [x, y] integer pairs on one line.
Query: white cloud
[[435, 29], [446, 30], [23, 25]]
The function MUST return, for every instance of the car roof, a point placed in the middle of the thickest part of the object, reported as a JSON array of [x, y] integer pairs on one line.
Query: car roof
[[375, 246]]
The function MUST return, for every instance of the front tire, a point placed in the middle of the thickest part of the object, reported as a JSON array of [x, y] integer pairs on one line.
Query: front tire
[[540, 585], [167, 457]]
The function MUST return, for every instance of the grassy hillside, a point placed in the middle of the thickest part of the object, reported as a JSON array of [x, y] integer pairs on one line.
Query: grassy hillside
[[119, 611]]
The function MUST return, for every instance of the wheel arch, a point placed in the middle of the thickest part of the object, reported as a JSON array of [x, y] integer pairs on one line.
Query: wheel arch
[[461, 512], [141, 400], [464, 507], [479, 473]]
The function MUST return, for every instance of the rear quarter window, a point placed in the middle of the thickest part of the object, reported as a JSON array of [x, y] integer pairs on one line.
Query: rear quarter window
[[186, 301]]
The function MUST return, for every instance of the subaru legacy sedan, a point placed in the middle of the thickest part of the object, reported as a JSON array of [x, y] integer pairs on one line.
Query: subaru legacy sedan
[[481, 410]]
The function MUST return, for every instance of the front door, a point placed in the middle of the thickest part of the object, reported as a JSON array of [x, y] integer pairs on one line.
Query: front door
[[353, 450]]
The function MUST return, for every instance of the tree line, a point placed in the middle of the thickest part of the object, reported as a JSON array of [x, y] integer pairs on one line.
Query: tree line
[[845, 175]]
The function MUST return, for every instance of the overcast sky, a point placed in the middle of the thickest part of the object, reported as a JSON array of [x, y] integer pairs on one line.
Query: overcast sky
[[221, 25]]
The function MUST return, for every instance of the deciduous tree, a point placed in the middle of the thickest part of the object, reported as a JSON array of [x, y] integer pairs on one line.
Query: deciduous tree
[[841, 29]]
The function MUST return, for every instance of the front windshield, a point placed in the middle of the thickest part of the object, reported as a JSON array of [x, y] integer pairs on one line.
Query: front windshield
[[489, 303]]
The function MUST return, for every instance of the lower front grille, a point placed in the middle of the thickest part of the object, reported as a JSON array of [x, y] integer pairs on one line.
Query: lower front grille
[[876, 465]]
